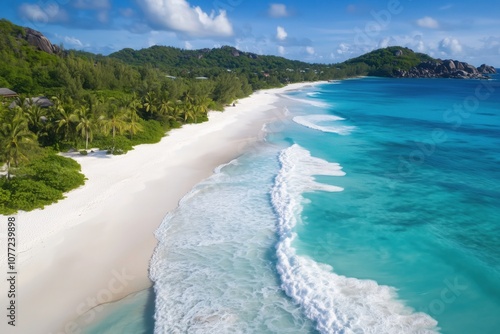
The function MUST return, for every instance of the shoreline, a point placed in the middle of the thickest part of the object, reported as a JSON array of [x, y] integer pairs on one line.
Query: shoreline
[[67, 267]]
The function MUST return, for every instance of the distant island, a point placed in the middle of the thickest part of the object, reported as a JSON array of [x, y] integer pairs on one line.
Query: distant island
[[55, 100], [399, 62]]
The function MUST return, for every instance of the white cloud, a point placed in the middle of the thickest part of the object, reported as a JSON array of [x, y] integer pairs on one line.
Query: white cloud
[[152, 39], [428, 22], [49, 13], [343, 48], [450, 46], [188, 46], [383, 43], [446, 7], [488, 52], [281, 50], [418, 44], [278, 10], [412, 41], [180, 16], [420, 47], [92, 4], [310, 50], [281, 33], [73, 41]]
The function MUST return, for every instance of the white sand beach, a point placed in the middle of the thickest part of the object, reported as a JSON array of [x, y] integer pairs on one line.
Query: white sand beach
[[94, 246]]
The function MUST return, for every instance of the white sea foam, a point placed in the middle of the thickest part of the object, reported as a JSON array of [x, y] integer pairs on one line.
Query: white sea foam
[[316, 122], [218, 169], [311, 102], [212, 270], [286, 112], [337, 304]]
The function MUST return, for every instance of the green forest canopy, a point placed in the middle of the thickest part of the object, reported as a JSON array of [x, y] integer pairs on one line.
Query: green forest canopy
[[127, 98]]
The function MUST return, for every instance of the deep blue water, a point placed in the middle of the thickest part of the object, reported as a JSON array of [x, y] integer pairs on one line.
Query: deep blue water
[[420, 210], [374, 207]]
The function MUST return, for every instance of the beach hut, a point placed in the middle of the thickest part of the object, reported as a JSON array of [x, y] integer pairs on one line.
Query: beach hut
[[5, 92], [41, 101]]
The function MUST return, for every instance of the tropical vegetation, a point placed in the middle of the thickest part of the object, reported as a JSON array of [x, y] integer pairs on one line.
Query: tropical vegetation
[[114, 102]]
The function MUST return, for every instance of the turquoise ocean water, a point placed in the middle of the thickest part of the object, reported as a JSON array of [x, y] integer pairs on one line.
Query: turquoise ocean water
[[373, 208]]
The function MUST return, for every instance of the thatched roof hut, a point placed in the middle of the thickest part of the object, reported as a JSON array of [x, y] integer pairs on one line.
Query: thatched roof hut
[[41, 101], [5, 92]]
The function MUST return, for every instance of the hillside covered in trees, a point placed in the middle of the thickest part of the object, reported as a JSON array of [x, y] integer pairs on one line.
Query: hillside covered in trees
[[111, 102], [398, 62], [384, 62], [259, 71], [127, 98]]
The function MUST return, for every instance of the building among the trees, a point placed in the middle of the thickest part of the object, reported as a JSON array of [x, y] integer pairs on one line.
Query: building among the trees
[[40, 101], [5, 92]]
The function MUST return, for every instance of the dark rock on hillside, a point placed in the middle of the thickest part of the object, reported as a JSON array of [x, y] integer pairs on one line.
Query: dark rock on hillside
[[446, 69], [450, 65], [38, 40], [486, 69]]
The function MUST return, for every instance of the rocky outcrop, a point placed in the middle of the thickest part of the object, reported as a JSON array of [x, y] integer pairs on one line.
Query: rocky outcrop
[[446, 69], [38, 40], [398, 53], [486, 69]]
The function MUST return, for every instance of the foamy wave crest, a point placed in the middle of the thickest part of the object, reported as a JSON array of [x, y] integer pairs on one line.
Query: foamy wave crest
[[218, 169], [311, 102], [315, 122], [211, 269], [337, 304]]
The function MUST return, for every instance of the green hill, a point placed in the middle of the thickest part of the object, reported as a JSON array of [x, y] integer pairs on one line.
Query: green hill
[[134, 96], [385, 62], [224, 58], [261, 71]]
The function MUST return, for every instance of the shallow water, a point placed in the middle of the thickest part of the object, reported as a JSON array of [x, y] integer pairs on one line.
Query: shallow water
[[372, 209]]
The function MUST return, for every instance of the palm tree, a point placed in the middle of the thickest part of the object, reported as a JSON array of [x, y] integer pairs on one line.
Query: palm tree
[[16, 138], [134, 103], [188, 104], [85, 124], [176, 114], [188, 97], [133, 124], [65, 119], [95, 104], [114, 120], [150, 103], [36, 118], [202, 106], [189, 112], [166, 106], [131, 116]]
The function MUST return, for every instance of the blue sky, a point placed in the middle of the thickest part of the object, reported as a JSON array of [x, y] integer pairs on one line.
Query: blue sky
[[325, 31]]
